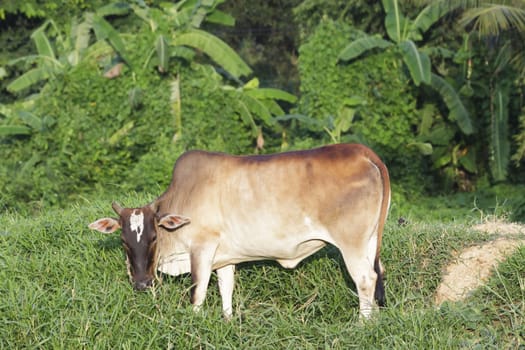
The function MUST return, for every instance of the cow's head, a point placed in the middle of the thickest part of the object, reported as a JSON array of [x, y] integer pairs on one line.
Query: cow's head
[[140, 228]]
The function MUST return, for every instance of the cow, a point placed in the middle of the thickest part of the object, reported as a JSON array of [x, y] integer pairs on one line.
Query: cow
[[221, 210]]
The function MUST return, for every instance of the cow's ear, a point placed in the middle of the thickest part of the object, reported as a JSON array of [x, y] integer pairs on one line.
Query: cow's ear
[[106, 225], [172, 221]]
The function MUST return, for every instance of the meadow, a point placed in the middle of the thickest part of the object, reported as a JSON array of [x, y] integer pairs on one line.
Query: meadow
[[63, 286]]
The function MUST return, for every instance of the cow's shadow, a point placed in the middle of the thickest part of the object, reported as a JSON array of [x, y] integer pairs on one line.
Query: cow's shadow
[[109, 243], [327, 253]]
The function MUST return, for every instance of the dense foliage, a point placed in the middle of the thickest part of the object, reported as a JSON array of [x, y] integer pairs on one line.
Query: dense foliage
[[356, 103], [106, 97]]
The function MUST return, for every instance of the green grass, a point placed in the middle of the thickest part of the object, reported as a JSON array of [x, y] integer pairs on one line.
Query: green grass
[[65, 286]]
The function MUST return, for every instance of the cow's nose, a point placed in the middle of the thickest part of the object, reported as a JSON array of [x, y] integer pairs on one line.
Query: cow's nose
[[141, 285]]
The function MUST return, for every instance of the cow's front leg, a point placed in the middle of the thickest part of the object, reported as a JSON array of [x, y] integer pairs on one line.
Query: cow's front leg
[[225, 277], [201, 267]]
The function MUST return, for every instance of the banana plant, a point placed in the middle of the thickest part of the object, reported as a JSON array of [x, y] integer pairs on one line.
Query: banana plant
[[436, 139], [502, 19], [178, 34], [51, 60], [335, 126], [403, 34], [23, 123], [46, 61], [499, 145], [255, 103], [342, 122], [175, 28]]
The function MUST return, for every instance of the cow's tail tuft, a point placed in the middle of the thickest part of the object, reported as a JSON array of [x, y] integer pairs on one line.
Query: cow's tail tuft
[[379, 294]]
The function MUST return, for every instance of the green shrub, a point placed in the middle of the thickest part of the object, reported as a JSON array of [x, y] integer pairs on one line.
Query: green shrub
[[387, 120], [99, 138]]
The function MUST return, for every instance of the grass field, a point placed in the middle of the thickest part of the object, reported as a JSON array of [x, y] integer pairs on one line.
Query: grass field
[[64, 286]]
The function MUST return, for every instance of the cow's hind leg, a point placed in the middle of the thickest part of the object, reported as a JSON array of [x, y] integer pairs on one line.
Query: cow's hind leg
[[364, 276], [360, 266]]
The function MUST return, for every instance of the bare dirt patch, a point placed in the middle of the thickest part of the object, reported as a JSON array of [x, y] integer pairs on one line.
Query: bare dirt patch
[[472, 266]]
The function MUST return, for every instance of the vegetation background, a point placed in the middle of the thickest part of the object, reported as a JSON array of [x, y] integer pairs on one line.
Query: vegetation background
[[98, 99]]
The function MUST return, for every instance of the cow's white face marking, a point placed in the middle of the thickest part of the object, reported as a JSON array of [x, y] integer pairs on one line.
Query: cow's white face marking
[[136, 223]]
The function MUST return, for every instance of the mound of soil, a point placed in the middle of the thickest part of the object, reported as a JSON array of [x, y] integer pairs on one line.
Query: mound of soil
[[472, 266]]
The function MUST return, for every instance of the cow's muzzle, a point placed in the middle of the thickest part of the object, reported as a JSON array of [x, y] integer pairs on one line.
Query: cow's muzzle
[[142, 285]]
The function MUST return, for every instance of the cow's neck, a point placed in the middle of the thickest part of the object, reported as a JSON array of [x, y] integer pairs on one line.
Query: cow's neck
[[173, 255]]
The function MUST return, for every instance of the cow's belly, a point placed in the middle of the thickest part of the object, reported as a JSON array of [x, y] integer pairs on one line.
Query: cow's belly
[[286, 255], [302, 251], [286, 245]]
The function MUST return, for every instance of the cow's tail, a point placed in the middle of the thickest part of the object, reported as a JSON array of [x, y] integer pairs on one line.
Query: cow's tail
[[379, 294]]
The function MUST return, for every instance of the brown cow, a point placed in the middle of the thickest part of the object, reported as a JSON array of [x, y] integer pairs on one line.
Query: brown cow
[[282, 207]]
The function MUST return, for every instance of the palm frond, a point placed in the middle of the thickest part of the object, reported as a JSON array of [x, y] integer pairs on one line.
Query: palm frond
[[429, 16], [492, 19]]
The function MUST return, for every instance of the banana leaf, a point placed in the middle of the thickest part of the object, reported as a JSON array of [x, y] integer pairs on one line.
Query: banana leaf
[[429, 16], [43, 45], [32, 120], [257, 108], [104, 31], [269, 93], [457, 110], [29, 78], [116, 8], [273, 107], [9, 130], [80, 35], [163, 54], [216, 49], [424, 148], [219, 17], [395, 22], [418, 63], [358, 47], [247, 117]]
